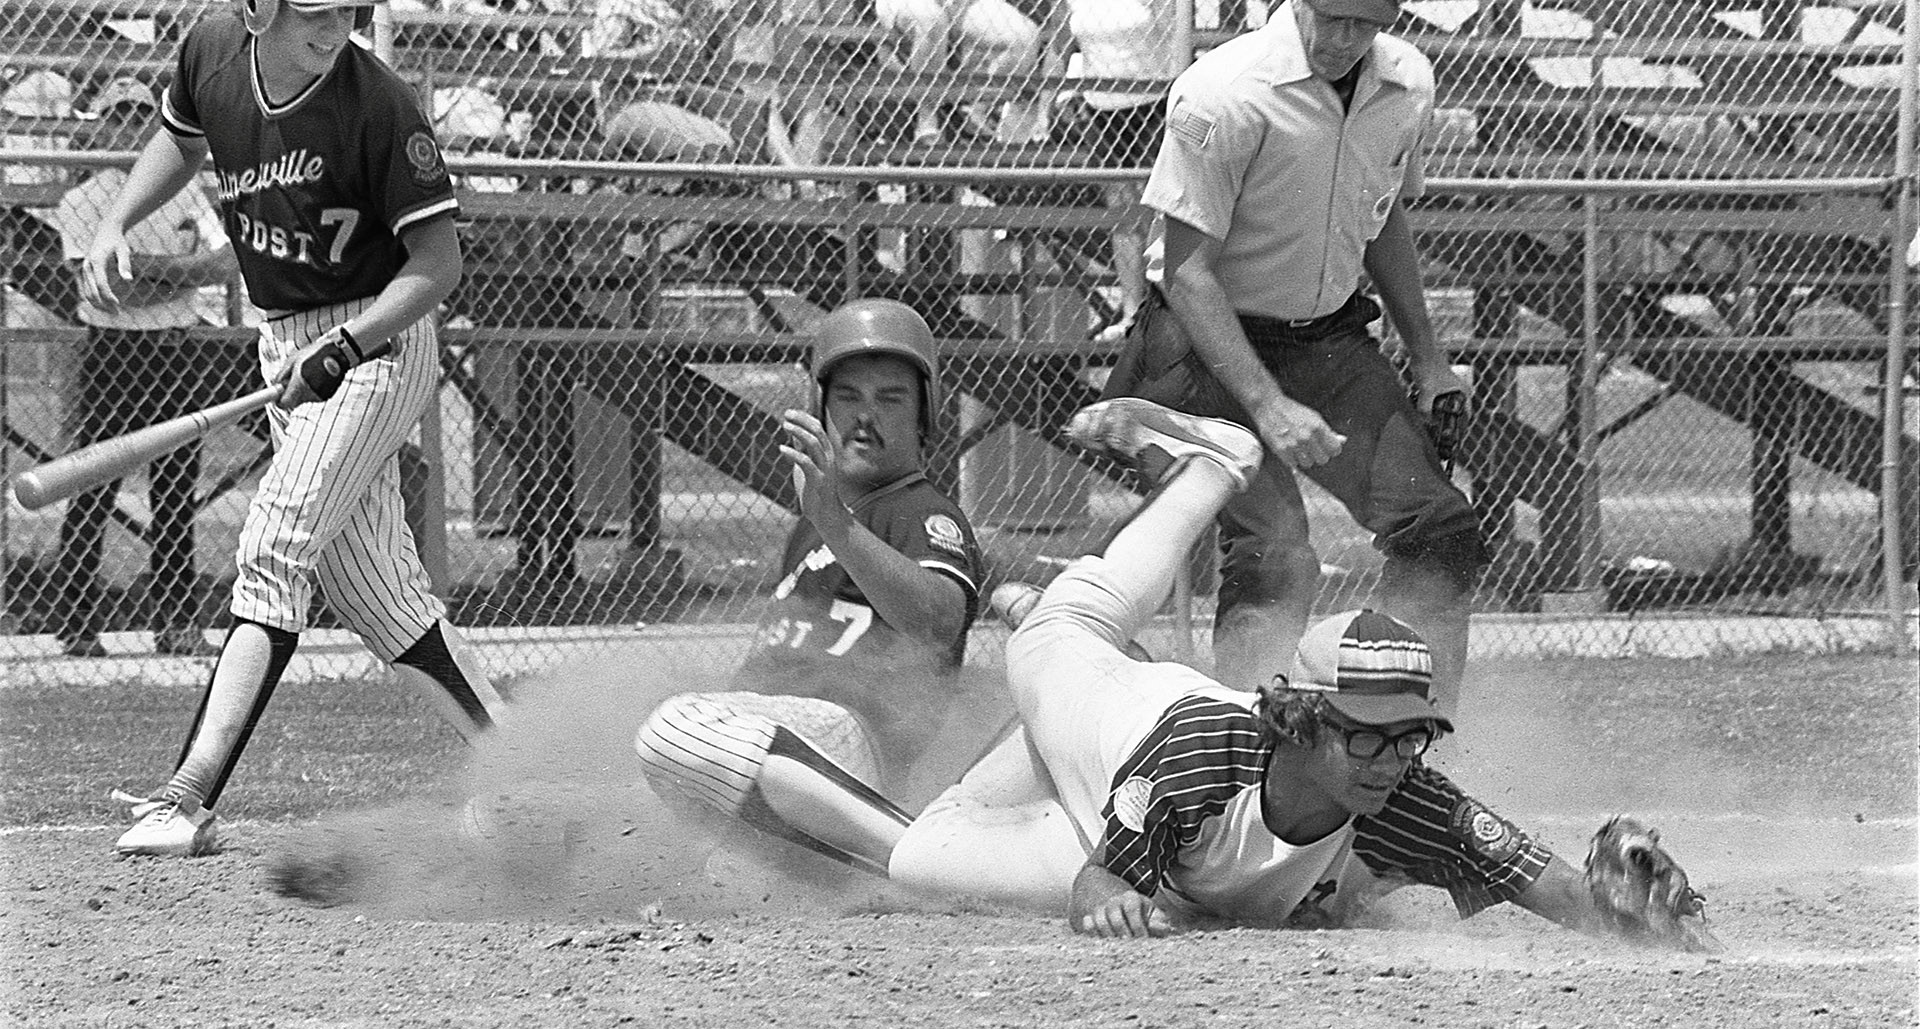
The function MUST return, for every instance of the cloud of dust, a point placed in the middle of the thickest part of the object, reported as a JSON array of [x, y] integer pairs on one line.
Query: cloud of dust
[[562, 824], [1558, 765]]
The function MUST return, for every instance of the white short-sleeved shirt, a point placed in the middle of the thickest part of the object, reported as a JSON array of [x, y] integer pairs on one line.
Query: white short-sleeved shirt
[[1260, 155], [182, 226]]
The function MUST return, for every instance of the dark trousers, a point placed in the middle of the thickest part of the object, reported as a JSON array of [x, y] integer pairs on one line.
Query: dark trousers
[[1388, 476], [129, 379]]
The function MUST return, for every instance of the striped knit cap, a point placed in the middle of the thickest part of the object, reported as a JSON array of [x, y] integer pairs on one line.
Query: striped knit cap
[[1373, 668]]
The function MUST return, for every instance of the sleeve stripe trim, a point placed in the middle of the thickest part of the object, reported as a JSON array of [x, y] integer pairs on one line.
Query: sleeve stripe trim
[[180, 128], [966, 581], [422, 214]]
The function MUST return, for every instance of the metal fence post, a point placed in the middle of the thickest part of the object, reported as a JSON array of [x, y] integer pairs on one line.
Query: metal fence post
[[7, 625], [1893, 401]]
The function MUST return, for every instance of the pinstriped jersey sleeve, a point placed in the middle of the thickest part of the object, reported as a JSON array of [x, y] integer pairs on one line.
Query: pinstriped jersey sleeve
[[1431, 832], [1201, 754]]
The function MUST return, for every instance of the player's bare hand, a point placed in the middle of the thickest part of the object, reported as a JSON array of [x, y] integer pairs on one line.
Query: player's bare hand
[[1125, 914], [1296, 433], [106, 273], [810, 450]]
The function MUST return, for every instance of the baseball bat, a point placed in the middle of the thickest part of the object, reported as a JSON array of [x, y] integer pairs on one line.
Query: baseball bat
[[110, 459]]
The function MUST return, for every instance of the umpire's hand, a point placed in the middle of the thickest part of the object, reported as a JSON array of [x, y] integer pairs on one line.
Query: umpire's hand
[[1296, 433]]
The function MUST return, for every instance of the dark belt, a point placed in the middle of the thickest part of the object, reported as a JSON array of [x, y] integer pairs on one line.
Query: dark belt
[[1353, 316]]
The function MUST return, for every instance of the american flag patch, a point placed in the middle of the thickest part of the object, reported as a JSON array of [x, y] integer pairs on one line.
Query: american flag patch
[[1193, 128]]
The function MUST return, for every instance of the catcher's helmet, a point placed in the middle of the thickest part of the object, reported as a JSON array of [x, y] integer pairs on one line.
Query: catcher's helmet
[[258, 14], [875, 326]]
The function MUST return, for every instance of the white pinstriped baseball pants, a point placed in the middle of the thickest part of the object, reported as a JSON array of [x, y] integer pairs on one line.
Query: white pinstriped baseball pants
[[708, 747], [1019, 825], [328, 511]]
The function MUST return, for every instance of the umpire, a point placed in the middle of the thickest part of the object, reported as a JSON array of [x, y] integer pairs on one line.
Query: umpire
[[1287, 153]]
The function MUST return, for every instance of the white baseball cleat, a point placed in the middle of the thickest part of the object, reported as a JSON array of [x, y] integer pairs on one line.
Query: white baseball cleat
[[166, 827], [1158, 439], [1011, 602]]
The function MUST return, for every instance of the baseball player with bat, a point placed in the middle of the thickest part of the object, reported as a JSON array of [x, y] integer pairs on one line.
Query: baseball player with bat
[[1143, 798], [333, 192]]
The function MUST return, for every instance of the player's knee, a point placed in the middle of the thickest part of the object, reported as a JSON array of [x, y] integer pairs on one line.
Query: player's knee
[[687, 756]]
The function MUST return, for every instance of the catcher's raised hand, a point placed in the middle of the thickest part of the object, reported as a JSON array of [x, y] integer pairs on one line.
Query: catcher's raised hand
[[1641, 893]]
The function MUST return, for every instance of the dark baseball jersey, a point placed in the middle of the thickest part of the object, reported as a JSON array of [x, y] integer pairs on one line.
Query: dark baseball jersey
[[315, 191], [1184, 815], [821, 638]]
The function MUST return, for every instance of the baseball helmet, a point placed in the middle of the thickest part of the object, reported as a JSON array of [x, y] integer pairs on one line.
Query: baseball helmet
[[876, 326], [258, 14]]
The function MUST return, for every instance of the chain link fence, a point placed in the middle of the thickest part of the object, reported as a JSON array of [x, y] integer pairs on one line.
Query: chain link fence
[[1665, 237]]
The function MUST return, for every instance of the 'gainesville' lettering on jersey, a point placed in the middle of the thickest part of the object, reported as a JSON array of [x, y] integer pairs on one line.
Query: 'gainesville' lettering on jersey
[[315, 189], [294, 168]]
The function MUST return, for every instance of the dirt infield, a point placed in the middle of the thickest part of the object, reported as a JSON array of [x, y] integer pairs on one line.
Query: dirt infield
[[1786, 785]]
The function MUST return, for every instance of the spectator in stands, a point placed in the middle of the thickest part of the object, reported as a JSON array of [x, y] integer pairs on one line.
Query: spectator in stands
[[472, 121], [462, 34], [141, 367], [691, 116], [42, 94], [1279, 180], [38, 290], [1123, 39], [991, 37]]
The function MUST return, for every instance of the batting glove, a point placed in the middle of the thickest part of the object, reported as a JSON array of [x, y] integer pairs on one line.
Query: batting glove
[[318, 369]]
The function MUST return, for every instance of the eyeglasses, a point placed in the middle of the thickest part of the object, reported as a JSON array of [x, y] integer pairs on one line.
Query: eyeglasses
[[1367, 744]]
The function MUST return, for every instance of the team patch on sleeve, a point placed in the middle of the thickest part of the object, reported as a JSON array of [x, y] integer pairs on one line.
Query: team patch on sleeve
[[944, 533], [1131, 801], [1487, 833], [423, 156]]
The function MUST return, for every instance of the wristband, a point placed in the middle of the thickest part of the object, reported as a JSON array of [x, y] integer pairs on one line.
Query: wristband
[[351, 344]]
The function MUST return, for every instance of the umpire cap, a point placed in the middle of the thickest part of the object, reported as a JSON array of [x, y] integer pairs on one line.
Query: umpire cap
[[876, 326], [259, 14], [1372, 667]]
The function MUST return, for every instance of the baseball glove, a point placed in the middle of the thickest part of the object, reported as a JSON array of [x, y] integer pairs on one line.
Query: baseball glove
[[1641, 892]]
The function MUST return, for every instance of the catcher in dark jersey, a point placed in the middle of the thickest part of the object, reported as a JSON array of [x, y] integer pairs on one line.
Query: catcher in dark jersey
[[339, 207], [856, 655], [1142, 798]]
